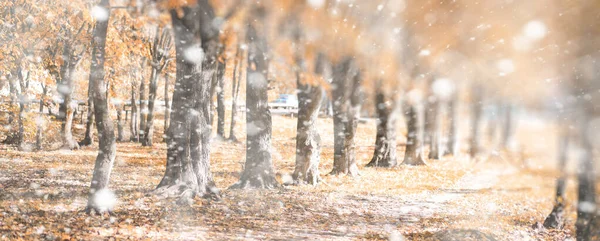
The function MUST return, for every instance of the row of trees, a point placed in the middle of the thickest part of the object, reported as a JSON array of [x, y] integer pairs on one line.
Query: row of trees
[[361, 54]]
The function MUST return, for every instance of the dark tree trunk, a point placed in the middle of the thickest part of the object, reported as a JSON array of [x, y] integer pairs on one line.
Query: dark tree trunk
[[452, 144], [556, 219], [586, 177], [346, 108], [133, 125], [120, 124], [385, 142], [435, 151], [258, 169], [143, 106], [88, 139], [167, 107], [107, 148], [12, 137], [149, 129], [221, 100], [235, 89], [413, 154], [476, 112], [308, 141], [188, 138]]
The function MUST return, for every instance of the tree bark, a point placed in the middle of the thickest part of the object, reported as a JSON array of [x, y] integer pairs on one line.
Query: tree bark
[[308, 141], [235, 89], [106, 135], [413, 154], [385, 142], [39, 136], [120, 134], [476, 112], [89, 125], [167, 107], [65, 88], [435, 131], [258, 169], [556, 219], [346, 95], [133, 125], [508, 128], [586, 177], [143, 105], [149, 130], [452, 145], [221, 100], [187, 172]]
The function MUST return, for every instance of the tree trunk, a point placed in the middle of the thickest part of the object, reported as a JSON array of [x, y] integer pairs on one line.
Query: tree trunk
[[258, 169], [133, 125], [235, 89], [475, 120], [221, 100], [107, 148], [413, 155], [385, 142], [308, 141], [188, 137], [89, 124], [507, 131], [120, 134], [346, 83], [435, 131], [586, 177], [556, 219], [143, 107], [167, 107], [65, 88], [39, 136], [149, 130], [452, 145], [12, 136]]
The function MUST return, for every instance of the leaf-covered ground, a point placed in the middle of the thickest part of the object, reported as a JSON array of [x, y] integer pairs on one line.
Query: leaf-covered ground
[[498, 196]]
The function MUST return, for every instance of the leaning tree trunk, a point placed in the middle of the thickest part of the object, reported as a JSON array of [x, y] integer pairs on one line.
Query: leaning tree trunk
[[586, 189], [107, 148], [235, 89], [188, 138], [89, 124], [65, 88], [452, 144], [556, 219], [385, 142], [413, 155], [133, 125], [221, 100], [308, 141], [258, 170], [167, 107], [149, 131], [476, 112], [346, 81]]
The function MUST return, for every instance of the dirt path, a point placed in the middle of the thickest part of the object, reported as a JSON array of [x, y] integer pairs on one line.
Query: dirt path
[[495, 198]]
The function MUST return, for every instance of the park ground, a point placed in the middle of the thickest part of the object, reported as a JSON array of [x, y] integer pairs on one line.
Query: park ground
[[499, 195]]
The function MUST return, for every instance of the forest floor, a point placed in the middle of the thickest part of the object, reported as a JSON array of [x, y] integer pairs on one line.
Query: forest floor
[[497, 196]]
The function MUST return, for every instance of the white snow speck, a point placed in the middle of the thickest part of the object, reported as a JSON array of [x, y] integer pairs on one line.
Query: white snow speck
[[100, 13]]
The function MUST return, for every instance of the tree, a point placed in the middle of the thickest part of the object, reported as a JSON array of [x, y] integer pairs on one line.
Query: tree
[[235, 89], [221, 97], [106, 136], [413, 155], [476, 112], [385, 142], [258, 170], [188, 138], [159, 52], [346, 110], [556, 219], [167, 105]]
